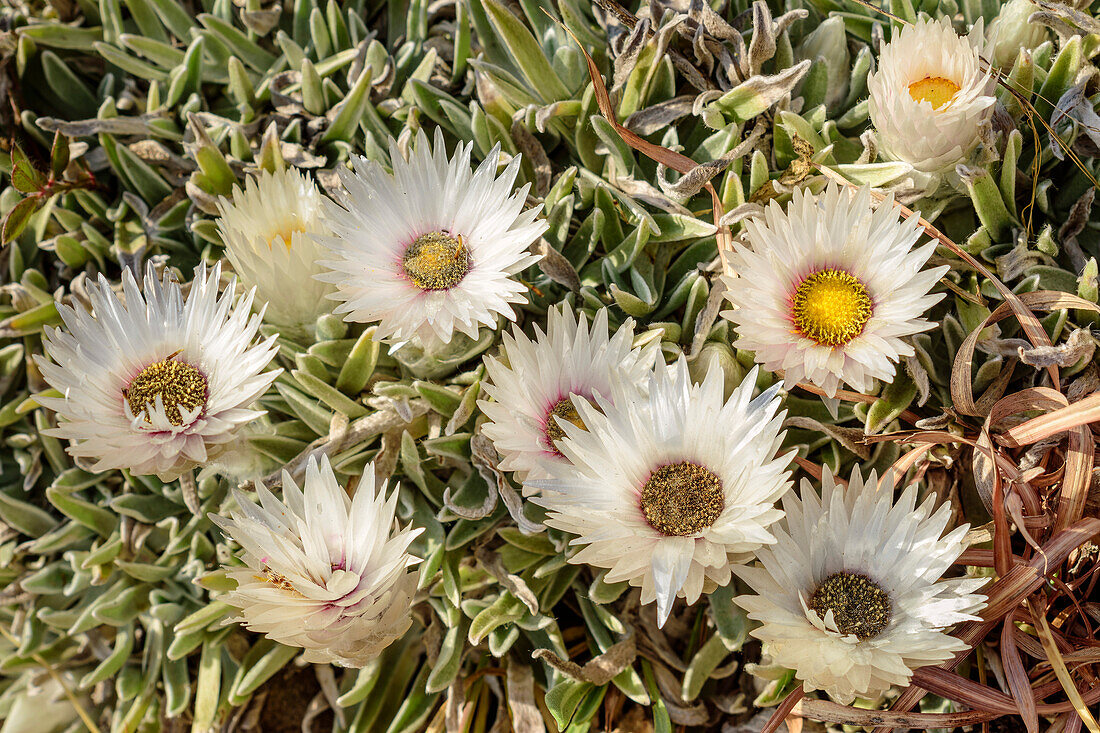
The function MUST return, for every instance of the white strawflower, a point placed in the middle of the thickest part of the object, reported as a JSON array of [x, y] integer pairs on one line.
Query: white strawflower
[[1011, 31], [667, 490], [324, 572], [431, 249], [154, 383], [532, 384], [930, 96], [830, 288], [266, 230], [850, 597]]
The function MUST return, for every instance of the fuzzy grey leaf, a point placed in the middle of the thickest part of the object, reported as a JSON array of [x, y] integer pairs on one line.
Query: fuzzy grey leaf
[[597, 671], [1080, 345]]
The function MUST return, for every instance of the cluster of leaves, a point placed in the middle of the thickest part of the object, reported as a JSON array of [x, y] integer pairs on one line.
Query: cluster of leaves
[[130, 117]]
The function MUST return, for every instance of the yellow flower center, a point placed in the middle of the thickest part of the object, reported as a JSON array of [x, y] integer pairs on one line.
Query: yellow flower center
[[936, 90], [859, 605], [177, 383], [680, 499], [436, 261], [564, 410], [831, 307], [286, 231]]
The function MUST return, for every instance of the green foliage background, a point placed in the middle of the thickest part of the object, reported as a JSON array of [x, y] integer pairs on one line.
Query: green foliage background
[[161, 106]]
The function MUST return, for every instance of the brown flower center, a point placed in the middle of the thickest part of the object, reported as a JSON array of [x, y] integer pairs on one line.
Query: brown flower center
[[177, 383], [436, 261], [860, 606], [276, 579], [680, 499], [564, 410]]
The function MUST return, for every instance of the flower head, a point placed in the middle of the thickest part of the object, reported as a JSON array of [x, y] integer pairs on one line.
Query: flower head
[[323, 572], [431, 249], [266, 229], [666, 490], [850, 597], [156, 384], [830, 288], [532, 386], [930, 96]]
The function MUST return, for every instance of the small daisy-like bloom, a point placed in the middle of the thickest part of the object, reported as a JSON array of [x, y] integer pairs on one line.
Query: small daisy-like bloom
[[324, 572], [830, 288], [155, 383], [532, 386], [666, 490], [930, 96], [1011, 31], [266, 230], [431, 249], [851, 596]]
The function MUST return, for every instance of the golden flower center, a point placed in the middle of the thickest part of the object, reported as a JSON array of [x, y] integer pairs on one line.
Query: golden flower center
[[564, 410], [436, 261], [680, 499], [936, 90], [177, 383], [286, 231], [860, 606], [831, 307]]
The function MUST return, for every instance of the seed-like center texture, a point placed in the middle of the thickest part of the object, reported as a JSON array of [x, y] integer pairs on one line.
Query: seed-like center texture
[[278, 580], [680, 499], [936, 90], [831, 307], [859, 605], [436, 261], [177, 383], [564, 409]]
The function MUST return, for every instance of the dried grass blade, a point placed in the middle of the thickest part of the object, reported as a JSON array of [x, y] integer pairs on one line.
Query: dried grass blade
[[85, 718], [831, 712], [1004, 596], [1059, 666], [783, 710], [902, 465], [1061, 420], [1074, 492], [659, 153], [1016, 675], [1002, 538]]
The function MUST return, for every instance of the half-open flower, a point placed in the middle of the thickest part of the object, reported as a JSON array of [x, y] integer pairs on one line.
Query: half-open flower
[[323, 572], [266, 228], [930, 96]]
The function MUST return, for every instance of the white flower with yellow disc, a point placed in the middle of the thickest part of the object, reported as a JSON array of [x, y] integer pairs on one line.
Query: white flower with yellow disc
[[433, 248], [830, 288], [155, 383]]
